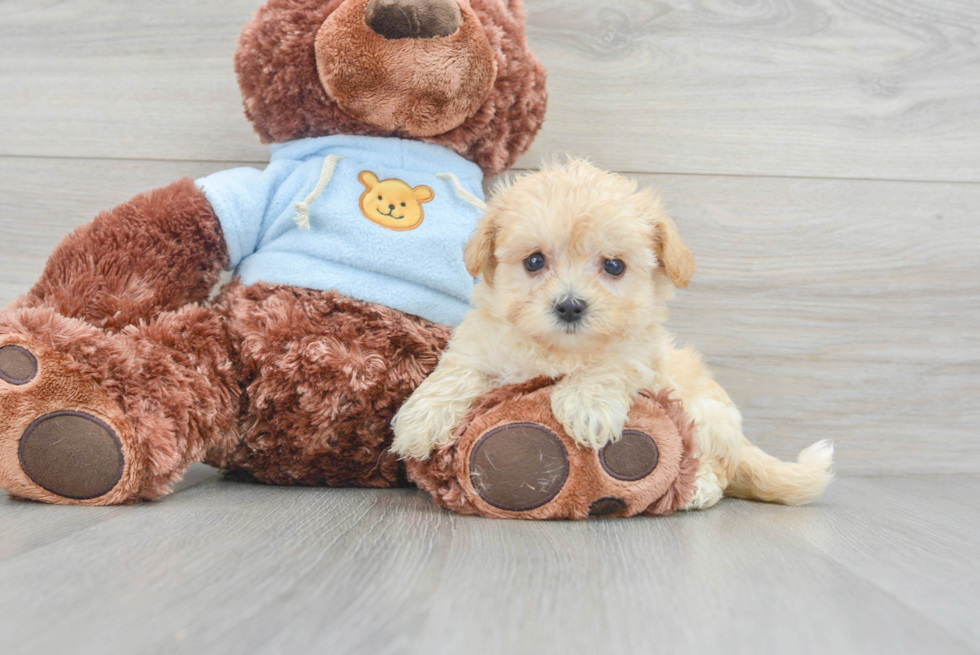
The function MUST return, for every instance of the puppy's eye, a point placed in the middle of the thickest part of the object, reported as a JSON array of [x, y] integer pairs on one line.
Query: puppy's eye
[[614, 267], [380, 197], [535, 262], [404, 205]]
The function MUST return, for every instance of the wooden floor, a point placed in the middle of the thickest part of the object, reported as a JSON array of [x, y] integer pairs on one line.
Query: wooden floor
[[821, 157], [881, 565]]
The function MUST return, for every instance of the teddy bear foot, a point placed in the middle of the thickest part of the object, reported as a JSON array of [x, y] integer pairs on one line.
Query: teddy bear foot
[[523, 466], [62, 440], [510, 458]]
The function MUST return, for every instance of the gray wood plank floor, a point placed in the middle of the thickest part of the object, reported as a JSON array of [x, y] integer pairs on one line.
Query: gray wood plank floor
[[879, 565]]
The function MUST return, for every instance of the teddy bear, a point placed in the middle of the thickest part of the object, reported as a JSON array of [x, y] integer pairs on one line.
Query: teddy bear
[[118, 369]]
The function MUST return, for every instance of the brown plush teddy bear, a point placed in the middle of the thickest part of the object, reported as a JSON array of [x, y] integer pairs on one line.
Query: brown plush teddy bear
[[117, 372]]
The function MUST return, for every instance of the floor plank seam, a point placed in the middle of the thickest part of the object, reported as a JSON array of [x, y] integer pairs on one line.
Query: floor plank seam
[[518, 170]]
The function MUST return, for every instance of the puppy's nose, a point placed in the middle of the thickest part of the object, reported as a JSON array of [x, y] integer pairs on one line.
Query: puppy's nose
[[571, 310], [414, 19], [391, 207]]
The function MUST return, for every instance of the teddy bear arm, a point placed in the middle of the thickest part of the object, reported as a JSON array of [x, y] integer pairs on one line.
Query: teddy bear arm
[[157, 252]]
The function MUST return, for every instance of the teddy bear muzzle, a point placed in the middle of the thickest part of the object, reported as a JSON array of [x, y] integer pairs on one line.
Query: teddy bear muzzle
[[411, 68]]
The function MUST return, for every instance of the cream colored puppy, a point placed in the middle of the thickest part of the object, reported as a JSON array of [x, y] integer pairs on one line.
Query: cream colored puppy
[[576, 267]]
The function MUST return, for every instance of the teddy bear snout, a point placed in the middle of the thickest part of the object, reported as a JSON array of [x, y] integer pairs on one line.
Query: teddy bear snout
[[413, 19]]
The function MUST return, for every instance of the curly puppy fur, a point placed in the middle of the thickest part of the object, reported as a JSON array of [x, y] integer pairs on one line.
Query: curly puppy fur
[[578, 218]]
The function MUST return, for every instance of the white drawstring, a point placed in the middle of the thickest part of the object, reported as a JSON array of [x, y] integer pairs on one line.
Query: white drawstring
[[461, 192], [303, 208]]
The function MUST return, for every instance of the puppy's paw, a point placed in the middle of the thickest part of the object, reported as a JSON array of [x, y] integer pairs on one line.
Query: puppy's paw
[[420, 427], [590, 417], [708, 492]]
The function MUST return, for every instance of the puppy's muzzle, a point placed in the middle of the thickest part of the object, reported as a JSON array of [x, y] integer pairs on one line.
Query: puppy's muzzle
[[571, 310]]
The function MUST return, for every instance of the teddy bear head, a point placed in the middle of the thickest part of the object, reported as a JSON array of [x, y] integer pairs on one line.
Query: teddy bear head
[[457, 73]]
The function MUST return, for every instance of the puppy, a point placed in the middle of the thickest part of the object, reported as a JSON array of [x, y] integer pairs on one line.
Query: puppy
[[576, 266]]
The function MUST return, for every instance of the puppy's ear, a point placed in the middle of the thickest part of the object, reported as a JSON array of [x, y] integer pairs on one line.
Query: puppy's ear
[[674, 256], [479, 251]]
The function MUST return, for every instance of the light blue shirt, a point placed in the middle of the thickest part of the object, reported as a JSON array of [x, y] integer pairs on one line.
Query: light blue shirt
[[385, 228]]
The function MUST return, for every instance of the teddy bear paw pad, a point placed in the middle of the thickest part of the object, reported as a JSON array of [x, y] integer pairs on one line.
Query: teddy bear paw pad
[[633, 457], [608, 507], [519, 467], [17, 365], [72, 454]]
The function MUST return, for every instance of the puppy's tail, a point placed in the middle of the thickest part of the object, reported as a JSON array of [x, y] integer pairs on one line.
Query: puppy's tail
[[759, 476]]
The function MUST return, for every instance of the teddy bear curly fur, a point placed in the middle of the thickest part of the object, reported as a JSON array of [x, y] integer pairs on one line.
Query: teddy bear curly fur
[[280, 384]]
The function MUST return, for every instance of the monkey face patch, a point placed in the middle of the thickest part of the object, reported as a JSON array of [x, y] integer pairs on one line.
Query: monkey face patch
[[392, 203]]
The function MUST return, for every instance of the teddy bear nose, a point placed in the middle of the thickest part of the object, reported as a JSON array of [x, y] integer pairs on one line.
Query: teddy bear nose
[[414, 19], [391, 207]]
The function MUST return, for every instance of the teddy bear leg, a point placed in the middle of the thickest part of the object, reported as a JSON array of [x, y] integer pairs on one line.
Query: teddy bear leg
[[97, 418], [157, 252], [324, 376], [95, 379], [510, 458]]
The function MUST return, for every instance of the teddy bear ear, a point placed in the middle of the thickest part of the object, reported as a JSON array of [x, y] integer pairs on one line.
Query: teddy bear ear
[[369, 179], [423, 194]]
